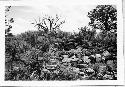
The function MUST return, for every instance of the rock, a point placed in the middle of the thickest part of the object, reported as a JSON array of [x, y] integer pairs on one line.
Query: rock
[[92, 58], [75, 70], [106, 53], [72, 51], [65, 56], [40, 58], [102, 68], [45, 70], [86, 59], [79, 50], [87, 53], [107, 77], [82, 65], [103, 58], [66, 60], [111, 64], [51, 67], [73, 58], [89, 70], [82, 73], [85, 77], [98, 57]]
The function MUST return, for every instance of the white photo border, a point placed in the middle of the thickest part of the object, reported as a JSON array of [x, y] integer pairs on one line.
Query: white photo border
[[120, 58]]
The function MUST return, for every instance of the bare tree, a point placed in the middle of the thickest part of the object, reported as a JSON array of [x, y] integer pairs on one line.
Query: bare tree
[[48, 23]]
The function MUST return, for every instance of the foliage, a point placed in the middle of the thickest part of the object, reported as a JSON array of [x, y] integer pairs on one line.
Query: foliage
[[103, 17], [36, 55], [8, 21]]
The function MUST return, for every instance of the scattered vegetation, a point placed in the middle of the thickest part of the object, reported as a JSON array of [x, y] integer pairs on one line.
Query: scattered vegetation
[[52, 54]]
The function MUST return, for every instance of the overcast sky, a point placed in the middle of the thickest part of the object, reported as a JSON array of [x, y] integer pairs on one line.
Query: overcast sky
[[74, 15]]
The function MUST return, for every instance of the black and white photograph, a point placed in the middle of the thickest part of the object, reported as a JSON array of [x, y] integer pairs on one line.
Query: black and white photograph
[[64, 42], [61, 43]]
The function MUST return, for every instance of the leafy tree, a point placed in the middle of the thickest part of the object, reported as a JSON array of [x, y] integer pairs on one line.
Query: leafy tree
[[103, 17], [8, 21]]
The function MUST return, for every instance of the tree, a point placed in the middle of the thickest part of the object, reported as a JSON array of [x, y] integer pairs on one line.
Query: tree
[[8, 21], [48, 24], [103, 17]]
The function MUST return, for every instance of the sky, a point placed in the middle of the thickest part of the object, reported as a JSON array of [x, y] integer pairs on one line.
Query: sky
[[75, 16]]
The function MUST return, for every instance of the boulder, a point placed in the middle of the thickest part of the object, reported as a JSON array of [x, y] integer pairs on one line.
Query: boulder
[[65, 56], [66, 60], [51, 67], [106, 53], [111, 64], [82, 65], [98, 57], [107, 77], [86, 59], [92, 58], [40, 58], [74, 69], [73, 58], [102, 68], [89, 71]]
